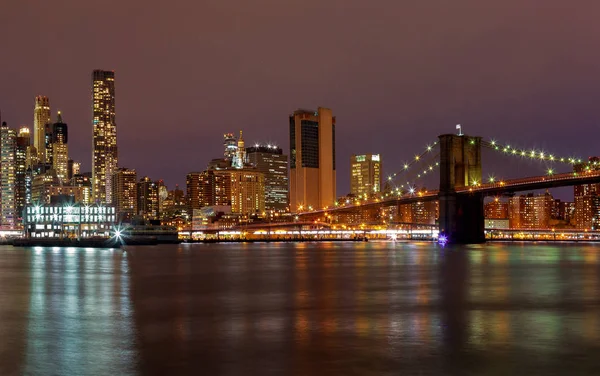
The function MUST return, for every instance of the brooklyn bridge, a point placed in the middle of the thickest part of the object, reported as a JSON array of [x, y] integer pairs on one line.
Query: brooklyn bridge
[[461, 189]]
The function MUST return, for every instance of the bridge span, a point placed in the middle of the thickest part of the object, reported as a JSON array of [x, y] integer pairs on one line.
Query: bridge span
[[461, 193]]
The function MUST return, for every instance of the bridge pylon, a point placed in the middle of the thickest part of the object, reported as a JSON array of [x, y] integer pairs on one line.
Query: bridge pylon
[[461, 215]]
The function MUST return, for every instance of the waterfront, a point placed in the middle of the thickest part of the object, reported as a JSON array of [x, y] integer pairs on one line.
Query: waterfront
[[301, 309]]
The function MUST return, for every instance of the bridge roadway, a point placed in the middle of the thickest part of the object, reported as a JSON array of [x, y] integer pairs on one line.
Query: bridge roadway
[[488, 189], [534, 183]]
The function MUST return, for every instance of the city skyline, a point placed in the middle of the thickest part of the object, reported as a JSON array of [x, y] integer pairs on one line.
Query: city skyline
[[427, 72]]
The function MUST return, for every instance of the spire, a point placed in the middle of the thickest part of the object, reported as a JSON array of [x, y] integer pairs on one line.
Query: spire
[[59, 117], [241, 141]]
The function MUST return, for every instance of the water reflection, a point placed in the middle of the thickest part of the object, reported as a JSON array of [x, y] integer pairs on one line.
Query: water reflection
[[74, 322], [308, 308]]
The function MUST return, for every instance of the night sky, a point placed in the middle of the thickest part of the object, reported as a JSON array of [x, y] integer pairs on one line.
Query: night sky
[[396, 74]]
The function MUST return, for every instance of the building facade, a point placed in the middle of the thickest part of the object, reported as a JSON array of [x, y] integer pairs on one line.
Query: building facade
[[271, 161], [85, 182], [40, 187], [126, 200], [105, 156], [530, 211], [365, 175], [247, 191], [422, 212], [230, 146], [312, 159], [41, 118], [208, 188], [148, 201], [60, 150], [8, 147], [22, 180], [496, 209], [586, 197], [587, 209], [68, 221]]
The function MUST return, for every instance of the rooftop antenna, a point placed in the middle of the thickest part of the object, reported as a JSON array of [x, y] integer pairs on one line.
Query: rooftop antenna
[[458, 126]]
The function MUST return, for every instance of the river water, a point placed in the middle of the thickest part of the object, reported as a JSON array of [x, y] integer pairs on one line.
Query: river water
[[301, 309]]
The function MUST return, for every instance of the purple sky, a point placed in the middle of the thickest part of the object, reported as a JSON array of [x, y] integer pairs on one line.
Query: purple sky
[[395, 73]]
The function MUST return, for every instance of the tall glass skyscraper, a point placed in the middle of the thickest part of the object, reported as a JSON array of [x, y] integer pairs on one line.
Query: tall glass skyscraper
[[105, 157]]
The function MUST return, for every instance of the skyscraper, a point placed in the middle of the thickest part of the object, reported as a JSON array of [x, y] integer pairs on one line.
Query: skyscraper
[[8, 145], [147, 195], [312, 159], [365, 174], [126, 200], [104, 158], [60, 150], [21, 178], [41, 117], [271, 161]]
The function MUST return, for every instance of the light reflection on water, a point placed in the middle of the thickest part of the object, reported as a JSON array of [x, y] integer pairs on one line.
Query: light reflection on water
[[307, 308]]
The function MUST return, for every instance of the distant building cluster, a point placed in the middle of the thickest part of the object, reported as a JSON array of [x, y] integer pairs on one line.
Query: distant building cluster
[[258, 183], [543, 212], [32, 172]]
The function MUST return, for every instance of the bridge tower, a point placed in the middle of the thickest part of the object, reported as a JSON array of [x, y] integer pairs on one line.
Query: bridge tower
[[461, 215]]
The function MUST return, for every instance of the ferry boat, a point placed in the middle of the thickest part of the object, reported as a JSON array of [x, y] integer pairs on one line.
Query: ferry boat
[[148, 234]]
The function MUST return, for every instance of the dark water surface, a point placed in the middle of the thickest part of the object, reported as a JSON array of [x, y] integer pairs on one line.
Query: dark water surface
[[301, 309]]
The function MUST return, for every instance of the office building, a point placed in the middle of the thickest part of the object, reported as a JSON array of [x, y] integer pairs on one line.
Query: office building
[[41, 119], [60, 150], [312, 159], [247, 191], [148, 202], [271, 161], [8, 147], [105, 156], [365, 175], [126, 200]]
